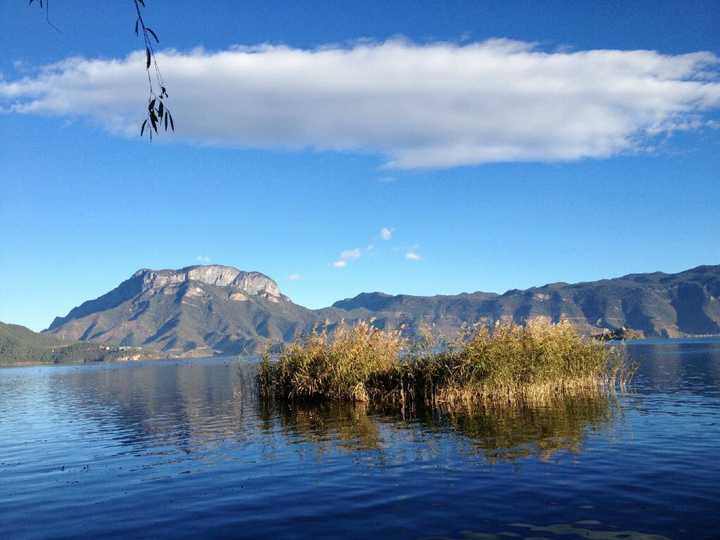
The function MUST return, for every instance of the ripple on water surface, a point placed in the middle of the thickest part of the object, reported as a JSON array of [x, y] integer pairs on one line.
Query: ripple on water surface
[[185, 449]]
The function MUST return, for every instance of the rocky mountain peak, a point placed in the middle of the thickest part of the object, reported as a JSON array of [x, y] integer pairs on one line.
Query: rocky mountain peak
[[253, 283], [145, 283]]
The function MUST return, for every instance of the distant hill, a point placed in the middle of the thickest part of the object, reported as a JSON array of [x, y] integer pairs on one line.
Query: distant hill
[[205, 310], [19, 345], [657, 305]]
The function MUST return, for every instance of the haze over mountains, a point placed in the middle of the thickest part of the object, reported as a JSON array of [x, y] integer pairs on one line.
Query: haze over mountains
[[205, 310]]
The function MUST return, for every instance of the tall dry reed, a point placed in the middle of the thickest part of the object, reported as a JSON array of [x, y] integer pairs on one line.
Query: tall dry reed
[[333, 366], [505, 363]]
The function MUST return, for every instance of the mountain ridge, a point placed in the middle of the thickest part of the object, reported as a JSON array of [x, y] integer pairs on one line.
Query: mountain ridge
[[214, 309]]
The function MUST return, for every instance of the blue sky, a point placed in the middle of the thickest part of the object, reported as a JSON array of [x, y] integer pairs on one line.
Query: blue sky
[[287, 188]]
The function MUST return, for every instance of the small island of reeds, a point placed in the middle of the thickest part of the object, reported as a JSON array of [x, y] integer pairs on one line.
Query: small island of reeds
[[505, 363]]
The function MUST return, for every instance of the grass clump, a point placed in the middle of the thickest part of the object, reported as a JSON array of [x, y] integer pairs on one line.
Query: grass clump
[[504, 363], [510, 362], [335, 366]]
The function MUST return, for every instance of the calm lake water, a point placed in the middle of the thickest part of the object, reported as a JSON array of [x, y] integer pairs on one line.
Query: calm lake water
[[184, 449]]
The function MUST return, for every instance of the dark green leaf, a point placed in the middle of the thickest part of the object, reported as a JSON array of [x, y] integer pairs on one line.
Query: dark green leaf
[[151, 105], [142, 129], [153, 34], [166, 120], [161, 108], [172, 124], [153, 120], [137, 21], [147, 53]]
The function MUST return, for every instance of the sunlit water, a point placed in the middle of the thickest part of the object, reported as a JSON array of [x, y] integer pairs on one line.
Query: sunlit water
[[184, 449]]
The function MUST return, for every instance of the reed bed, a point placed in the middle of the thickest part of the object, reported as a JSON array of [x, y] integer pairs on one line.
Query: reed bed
[[506, 363], [335, 366]]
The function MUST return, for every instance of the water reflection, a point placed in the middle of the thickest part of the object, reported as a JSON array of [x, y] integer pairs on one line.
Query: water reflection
[[191, 406], [561, 530], [495, 433], [343, 425], [186, 449], [677, 366], [510, 433]]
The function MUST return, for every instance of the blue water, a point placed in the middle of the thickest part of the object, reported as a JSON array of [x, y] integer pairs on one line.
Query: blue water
[[184, 449]]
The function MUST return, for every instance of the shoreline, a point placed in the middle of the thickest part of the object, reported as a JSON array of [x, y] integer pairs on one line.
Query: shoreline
[[32, 363]]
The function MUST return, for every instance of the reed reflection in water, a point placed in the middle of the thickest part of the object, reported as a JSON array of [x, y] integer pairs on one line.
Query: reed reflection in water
[[496, 433]]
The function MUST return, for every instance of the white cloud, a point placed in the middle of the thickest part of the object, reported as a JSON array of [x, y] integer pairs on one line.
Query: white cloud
[[434, 105], [386, 233], [351, 254], [347, 256], [413, 256], [294, 277], [203, 259]]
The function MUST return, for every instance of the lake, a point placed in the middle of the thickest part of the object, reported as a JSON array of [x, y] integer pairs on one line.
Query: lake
[[185, 449]]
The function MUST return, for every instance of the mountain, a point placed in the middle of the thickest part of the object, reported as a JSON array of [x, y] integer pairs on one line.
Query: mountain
[[194, 311], [656, 304], [19, 345], [205, 310]]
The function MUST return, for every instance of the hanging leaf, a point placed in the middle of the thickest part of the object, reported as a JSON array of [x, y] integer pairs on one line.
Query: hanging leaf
[[156, 108], [153, 120], [153, 34]]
